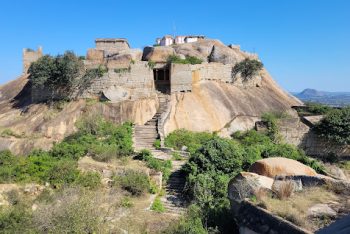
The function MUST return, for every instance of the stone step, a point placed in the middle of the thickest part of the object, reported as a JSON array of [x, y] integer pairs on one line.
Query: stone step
[[147, 133], [170, 207], [146, 136], [145, 127], [151, 131]]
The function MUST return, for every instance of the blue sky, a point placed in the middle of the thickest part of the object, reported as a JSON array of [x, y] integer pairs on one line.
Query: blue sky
[[303, 43]]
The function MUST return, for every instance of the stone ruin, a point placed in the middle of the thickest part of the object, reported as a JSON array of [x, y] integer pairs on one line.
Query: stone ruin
[[133, 74], [30, 56]]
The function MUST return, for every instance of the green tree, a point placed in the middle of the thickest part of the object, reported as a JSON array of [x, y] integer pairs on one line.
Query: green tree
[[57, 74], [248, 68], [335, 126]]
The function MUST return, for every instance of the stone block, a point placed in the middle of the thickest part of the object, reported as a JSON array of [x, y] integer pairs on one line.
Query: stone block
[[95, 55]]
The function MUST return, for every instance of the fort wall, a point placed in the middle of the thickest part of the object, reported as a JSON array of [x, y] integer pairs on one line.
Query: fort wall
[[30, 56]]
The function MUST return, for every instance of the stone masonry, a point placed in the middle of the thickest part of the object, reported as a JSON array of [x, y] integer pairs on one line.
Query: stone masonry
[[30, 56]]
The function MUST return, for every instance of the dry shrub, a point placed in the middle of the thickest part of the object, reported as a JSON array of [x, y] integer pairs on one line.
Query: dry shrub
[[74, 210], [338, 187], [292, 215], [284, 190], [261, 194]]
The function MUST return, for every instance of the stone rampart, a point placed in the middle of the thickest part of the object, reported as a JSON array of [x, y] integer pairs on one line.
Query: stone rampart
[[136, 80], [30, 56], [253, 219], [295, 131], [183, 76]]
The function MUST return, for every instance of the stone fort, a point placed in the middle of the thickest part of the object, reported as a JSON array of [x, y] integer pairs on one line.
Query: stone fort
[[133, 74]]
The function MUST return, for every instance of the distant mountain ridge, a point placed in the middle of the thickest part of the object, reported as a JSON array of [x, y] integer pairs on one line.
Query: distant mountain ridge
[[330, 98]]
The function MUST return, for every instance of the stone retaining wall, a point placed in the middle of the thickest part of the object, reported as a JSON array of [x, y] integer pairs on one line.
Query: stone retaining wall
[[183, 76], [136, 80], [252, 219], [295, 131]]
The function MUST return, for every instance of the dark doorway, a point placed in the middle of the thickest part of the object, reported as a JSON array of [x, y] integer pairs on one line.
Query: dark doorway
[[162, 80]]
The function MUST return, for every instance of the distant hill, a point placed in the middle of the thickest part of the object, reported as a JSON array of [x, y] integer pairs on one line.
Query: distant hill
[[330, 98]]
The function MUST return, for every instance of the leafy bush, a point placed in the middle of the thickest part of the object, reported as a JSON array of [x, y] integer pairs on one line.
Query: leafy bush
[[191, 140], [91, 180], [258, 145], [156, 144], [135, 182], [157, 205], [335, 126], [217, 160], [191, 223], [247, 68], [16, 219], [62, 173], [272, 129], [154, 163], [209, 170], [317, 108], [57, 74], [59, 165], [188, 60]]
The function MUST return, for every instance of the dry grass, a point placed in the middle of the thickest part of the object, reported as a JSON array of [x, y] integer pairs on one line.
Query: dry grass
[[295, 207], [345, 166], [284, 190]]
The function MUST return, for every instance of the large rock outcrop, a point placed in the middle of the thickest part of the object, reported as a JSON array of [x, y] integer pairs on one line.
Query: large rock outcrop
[[159, 54], [216, 106], [24, 126], [279, 166]]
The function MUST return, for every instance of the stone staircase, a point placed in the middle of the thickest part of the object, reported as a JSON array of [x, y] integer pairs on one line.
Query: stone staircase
[[144, 138], [146, 135], [174, 202]]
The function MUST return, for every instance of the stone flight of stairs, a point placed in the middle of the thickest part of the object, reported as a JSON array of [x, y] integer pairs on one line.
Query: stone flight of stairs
[[144, 138]]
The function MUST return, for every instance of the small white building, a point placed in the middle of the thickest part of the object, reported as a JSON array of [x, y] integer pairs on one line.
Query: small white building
[[167, 40], [180, 39], [189, 39]]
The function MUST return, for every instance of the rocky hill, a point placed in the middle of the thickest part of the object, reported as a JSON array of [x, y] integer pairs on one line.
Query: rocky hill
[[204, 97], [337, 99]]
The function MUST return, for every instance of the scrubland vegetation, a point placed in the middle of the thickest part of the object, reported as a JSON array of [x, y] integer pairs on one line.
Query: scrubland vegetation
[[335, 126], [214, 161], [188, 60], [248, 68], [72, 201]]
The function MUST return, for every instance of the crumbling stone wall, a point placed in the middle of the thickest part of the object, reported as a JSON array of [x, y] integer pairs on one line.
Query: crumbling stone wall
[[183, 76], [295, 131], [95, 55], [253, 219], [136, 80], [30, 56], [112, 46], [316, 146]]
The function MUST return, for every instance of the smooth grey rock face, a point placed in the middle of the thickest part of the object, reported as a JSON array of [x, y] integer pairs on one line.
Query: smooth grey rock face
[[159, 54], [320, 210], [116, 94], [225, 55]]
